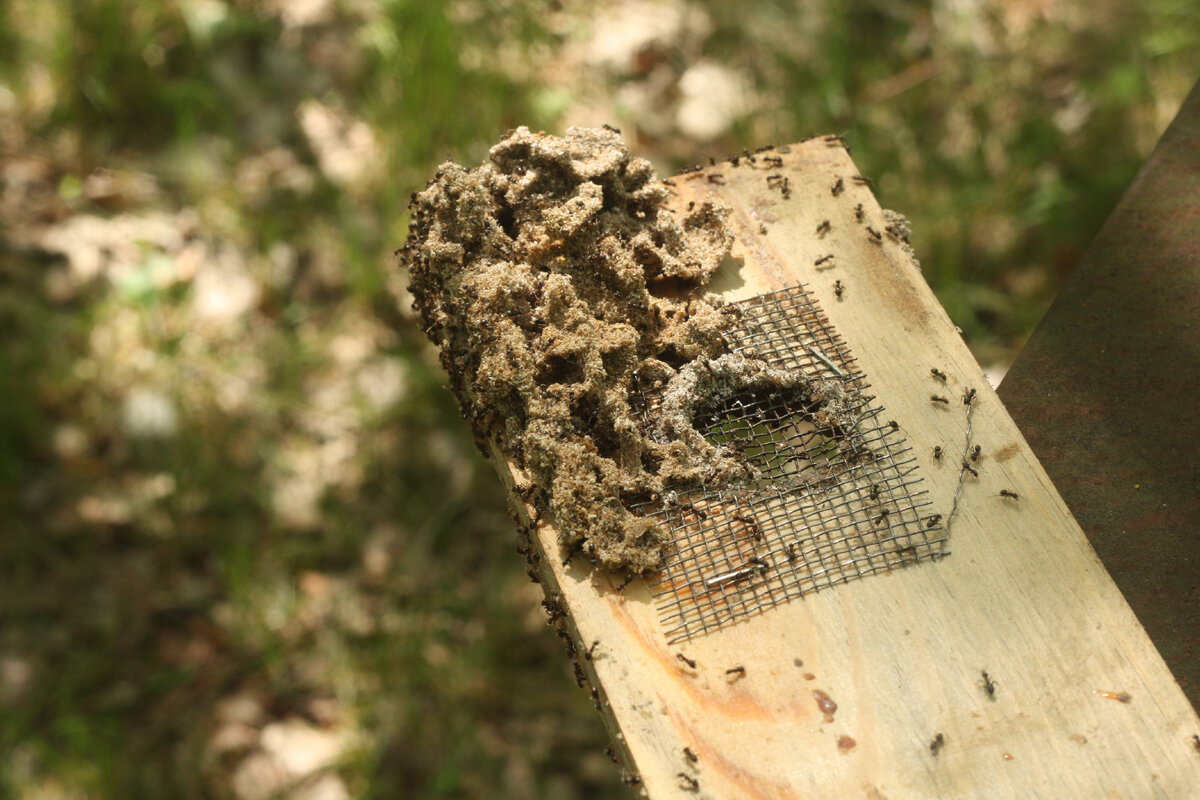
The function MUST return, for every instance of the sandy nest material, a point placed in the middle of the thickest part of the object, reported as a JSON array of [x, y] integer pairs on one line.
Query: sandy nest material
[[558, 286]]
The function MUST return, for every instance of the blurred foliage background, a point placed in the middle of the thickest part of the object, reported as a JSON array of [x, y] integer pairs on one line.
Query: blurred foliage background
[[246, 547]]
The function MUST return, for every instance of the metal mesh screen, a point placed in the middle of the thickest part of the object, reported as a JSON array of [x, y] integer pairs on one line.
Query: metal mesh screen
[[833, 506]]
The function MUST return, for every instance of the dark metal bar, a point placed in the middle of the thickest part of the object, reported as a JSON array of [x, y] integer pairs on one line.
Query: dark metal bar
[[1107, 392]]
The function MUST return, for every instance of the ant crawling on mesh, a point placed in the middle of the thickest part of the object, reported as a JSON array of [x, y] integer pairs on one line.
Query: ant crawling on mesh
[[933, 520], [750, 522]]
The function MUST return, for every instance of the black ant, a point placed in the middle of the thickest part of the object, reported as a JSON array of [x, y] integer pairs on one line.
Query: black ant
[[833, 140], [837, 187], [681, 657], [933, 520], [738, 671], [969, 468], [823, 227], [838, 288], [937, 744], [862, 180], [878, 236], [939, 399], [969, 398], [822, 260], [975, 453], [692, 757], [858, 212], [752, 524], [588, 653], [1009, 494], [668, 182], [989, 685], [937, 452], [937, 373], [689, 783], [612, 128]]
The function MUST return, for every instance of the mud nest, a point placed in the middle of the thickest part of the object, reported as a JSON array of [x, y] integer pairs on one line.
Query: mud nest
[[557, 285]]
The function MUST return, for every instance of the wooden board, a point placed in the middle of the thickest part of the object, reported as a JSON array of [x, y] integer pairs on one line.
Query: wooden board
[[1022, 594]]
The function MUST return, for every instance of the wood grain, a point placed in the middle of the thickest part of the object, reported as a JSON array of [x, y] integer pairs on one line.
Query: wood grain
[[1022, 594]]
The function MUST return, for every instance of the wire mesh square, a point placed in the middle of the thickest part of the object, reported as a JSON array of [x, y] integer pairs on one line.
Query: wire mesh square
[[832, 506]]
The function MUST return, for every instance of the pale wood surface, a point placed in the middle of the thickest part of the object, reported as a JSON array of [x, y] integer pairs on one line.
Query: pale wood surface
[[1022, 594]]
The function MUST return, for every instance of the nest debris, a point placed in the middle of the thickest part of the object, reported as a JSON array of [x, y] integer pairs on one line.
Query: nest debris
[[557, 285]]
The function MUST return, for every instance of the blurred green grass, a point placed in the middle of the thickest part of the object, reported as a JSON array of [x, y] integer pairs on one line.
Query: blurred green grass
[[238, 503]]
